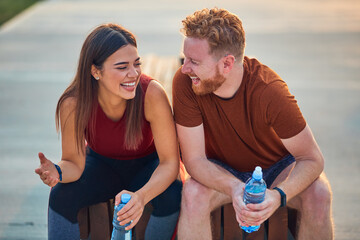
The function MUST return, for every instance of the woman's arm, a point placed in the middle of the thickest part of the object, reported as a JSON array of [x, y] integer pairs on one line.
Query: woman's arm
[[158, 113], [72, 162]]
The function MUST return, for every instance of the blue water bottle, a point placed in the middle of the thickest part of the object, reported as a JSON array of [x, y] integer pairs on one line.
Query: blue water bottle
[[255, 188], [119, 232]]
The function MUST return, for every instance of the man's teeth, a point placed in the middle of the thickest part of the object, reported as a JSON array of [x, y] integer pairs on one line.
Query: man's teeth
[[195, 78], [128, 84]]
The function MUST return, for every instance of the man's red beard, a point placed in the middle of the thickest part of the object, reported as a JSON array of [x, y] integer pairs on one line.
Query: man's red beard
[[209, 85]]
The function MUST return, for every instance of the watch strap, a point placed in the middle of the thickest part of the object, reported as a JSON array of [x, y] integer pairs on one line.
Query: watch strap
[[59, 171], [283, 196]]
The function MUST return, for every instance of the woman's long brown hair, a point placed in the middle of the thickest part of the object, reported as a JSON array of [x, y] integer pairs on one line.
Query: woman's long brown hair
[[98, 46]]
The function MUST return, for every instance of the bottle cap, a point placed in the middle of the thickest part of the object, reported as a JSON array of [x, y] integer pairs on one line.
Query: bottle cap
[[257, 174], [125, 198]]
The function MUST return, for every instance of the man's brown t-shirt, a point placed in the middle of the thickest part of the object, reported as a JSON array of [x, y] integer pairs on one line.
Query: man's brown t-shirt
[[244, 131]]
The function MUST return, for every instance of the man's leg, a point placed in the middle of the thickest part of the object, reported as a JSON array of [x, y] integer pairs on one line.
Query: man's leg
[[314, 207], [197, 203]]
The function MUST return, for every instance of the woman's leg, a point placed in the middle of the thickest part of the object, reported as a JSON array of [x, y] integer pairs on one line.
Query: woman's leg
[[166, 206], [164, 217], [61, 228], [66, 199]]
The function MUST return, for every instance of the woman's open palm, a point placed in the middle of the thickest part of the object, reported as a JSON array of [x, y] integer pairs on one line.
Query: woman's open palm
[[47, 171]]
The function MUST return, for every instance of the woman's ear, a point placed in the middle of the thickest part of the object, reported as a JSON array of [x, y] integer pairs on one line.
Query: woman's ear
[[95, 72]]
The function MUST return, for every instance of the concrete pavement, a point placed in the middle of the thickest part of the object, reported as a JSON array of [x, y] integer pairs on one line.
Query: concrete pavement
[[313, 45]]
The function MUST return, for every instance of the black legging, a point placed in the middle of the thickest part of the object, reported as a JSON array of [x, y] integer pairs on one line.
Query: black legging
[[104, 177]]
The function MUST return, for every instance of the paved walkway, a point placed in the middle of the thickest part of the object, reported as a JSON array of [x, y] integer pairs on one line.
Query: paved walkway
[[313, 45]]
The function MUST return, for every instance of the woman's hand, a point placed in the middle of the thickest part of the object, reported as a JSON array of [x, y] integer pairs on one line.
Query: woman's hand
[[132, 211], [47, 171]]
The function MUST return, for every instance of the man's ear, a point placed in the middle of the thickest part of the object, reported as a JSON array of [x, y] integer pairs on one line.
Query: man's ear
[[228, 63], [95, 72]]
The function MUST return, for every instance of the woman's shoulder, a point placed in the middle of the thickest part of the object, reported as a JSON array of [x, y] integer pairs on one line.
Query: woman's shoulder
[[151, 87], [156, 101], [69, 102], [155, 91], [145, 80], [68, 105]]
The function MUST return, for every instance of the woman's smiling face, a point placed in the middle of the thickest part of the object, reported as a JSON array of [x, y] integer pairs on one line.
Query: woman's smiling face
[[120, 73]]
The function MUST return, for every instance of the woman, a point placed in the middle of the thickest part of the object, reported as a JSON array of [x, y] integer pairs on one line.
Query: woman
[[125, 118]]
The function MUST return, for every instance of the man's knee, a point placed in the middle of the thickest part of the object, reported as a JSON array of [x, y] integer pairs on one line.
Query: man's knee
[[317, 197], [195, 197]]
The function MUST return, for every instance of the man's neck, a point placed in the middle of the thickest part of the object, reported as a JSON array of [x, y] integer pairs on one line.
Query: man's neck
[[232, 83]]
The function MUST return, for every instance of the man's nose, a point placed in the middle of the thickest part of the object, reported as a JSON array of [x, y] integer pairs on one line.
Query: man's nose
[[185, 69]]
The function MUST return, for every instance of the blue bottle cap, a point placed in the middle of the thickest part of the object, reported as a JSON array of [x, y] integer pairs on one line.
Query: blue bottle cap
[[125, 198]]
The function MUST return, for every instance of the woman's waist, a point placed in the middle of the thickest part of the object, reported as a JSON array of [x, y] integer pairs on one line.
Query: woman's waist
[[123, 154], [150, 154]]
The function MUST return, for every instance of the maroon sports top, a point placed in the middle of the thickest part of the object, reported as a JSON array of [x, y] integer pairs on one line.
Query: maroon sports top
[[109, 136]]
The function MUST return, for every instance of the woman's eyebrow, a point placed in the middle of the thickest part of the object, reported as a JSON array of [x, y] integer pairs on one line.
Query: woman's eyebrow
[[120, 63]]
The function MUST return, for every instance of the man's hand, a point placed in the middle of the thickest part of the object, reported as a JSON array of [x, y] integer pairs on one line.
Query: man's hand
[[238, 202], [132, 211], [256, 214], [47, 171]]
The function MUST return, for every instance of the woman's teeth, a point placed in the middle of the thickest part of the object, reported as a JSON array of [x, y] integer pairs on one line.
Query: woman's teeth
[[128, 84]]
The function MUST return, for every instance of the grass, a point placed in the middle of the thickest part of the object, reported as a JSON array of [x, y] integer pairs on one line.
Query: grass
[[10, 8]]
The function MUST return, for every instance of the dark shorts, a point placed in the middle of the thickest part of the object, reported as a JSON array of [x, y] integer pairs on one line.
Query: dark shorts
[[269, 174]]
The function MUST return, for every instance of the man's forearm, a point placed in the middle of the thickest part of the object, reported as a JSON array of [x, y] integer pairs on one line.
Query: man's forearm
[[309, 162], [212, 175], [302, 176]]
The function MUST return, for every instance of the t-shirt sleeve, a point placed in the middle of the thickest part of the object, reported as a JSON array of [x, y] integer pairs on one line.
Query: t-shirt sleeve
[[281, 110], [185, 105]]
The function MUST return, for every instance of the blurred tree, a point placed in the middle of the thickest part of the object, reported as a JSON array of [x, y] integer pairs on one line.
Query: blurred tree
[[10, 8]]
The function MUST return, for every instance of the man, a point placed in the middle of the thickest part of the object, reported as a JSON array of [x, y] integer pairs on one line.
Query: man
[[232, 114]]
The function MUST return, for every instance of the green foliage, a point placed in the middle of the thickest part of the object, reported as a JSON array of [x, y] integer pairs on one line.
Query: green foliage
[[10, 8]]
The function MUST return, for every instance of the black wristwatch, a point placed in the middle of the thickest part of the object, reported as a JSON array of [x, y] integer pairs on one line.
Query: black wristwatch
[[283, 196]]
